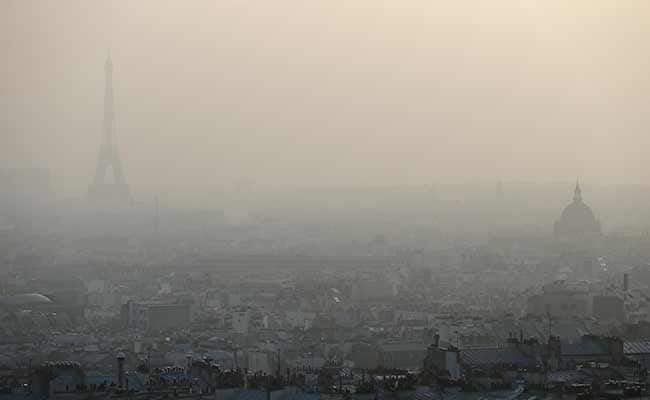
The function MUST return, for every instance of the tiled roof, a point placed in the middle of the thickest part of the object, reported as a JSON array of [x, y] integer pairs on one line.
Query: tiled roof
[[642, 347]]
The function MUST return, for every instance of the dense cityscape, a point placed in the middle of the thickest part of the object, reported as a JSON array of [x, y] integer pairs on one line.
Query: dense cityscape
[[199, 307], [489, 281]]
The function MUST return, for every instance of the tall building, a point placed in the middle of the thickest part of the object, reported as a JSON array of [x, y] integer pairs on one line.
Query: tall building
[[102, 188], [577, 220]]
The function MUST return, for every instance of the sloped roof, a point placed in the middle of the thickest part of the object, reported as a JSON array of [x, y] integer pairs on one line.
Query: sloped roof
[[25, 299], [642, 347]]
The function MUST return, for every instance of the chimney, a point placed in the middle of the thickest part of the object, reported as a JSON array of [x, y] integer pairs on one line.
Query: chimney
[[554, 352], [188, 358], [120, 369], [626, 282]]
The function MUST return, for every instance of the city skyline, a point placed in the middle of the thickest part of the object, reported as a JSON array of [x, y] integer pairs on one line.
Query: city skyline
[[460, 101], [324, 199]]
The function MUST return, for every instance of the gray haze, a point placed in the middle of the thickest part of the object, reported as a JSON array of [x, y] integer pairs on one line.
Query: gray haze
[[213, 94], [324, 199]]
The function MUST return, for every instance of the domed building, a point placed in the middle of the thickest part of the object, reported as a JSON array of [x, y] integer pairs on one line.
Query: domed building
[[577, 219], [25, 300]]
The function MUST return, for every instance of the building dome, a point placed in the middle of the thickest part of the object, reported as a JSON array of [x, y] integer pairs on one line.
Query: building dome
[[25, 299], [577, 219]]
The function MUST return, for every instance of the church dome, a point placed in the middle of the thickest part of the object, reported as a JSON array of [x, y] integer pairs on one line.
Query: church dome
[[577, 219], [25, 299]]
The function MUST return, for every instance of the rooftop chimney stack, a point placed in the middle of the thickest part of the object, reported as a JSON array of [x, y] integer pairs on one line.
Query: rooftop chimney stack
[[120, 369]]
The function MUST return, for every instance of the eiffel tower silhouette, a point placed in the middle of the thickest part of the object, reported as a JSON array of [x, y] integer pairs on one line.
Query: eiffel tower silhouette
[[103, 189]]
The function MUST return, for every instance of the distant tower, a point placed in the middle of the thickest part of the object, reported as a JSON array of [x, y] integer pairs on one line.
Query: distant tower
[[577, 192], [102, 188]]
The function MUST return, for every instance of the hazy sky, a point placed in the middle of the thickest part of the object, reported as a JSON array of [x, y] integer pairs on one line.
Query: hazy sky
[[326, 92]]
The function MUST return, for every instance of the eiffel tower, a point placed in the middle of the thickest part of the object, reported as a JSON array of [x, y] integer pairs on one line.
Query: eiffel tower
[[103, 189]]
